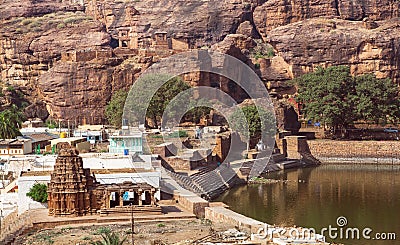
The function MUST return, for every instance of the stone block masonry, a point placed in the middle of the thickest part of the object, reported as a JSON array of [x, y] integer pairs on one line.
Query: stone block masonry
[[355, 149], [220, 214]]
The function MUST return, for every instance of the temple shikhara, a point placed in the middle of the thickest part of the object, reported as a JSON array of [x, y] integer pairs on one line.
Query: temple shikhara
[[73, 191]]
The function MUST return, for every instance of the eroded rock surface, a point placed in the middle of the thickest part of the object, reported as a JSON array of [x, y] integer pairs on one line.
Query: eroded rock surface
[[63, 56]]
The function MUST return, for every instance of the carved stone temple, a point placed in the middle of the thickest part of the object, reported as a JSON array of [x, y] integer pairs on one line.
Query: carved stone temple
[[73, 191]]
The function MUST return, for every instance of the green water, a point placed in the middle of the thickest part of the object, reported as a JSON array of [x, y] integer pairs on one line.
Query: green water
[[368, 196]]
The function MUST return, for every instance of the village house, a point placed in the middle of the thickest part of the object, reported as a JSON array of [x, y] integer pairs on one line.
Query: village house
[[80, 143], [13, 147], [126, 144], [92, 133], [39, 140]]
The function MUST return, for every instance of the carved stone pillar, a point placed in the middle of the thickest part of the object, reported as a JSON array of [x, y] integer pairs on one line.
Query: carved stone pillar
[[140, 191], [107, 199], [153, 200], [121, 199]]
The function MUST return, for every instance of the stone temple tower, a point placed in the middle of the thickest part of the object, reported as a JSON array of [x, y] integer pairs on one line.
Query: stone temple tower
[[70, 187]]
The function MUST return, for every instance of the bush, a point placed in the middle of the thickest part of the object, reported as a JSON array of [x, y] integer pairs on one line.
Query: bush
[[178, 134], [60, 26], [38, 193], [26, 22], [102, 230]]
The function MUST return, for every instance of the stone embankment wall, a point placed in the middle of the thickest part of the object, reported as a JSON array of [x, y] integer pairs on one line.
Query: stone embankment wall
[[355, 149], [191, 202], [221, 214]]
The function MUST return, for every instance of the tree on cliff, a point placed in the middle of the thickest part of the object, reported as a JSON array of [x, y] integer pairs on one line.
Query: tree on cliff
[[10, 121], [256, 121], [115, 108], [336, 99]]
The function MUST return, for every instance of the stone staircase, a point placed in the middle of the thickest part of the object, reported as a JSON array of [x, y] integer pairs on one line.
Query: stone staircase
[[208, 183], [13, 226], [9, 187]]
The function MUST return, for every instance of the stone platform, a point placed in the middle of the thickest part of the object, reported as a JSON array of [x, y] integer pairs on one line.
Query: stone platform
[[40, 220]]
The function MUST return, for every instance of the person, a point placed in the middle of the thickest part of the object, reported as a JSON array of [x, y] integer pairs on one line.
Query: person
[[198, 133], [260, 146]]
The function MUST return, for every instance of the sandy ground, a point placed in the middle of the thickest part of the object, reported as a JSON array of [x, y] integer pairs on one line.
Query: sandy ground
[[171, 232]]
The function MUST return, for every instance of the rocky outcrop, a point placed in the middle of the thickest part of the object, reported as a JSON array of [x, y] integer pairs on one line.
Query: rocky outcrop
[[37, 110], [62, 55], [199, 22], [325, 42], [79, 91], [30, 46], [277, 13], [29, 8]]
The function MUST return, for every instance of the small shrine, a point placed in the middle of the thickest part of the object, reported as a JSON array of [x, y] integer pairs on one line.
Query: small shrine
[[73, 191]]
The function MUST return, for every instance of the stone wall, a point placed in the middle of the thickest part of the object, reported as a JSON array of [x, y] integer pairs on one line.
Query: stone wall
[[360, 149], [13, 226], [25, 183], [223, 144], [220, 214], [191, 202], [295, 145], [178, 163]]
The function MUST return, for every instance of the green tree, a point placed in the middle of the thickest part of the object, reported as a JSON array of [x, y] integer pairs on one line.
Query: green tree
[[336, 99], [115, 108], [153, 105], [110, 238], [327, 96], [200, 108], [10, 121], [38, 193], [163, 96], [377, 100], [257, 122]]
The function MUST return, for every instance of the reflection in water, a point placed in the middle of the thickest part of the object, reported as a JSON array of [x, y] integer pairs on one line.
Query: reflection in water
[[368, 196]]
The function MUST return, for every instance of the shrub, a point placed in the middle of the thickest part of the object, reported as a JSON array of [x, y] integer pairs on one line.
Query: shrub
[[102, 230], [160, 225], [38, 193], [10, 89], [60, 26], [110, 239], [26, 22], [178, 134], [34, 24], [270, 52]]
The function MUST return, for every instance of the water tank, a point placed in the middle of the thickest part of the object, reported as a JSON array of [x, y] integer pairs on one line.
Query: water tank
[[126, 152]]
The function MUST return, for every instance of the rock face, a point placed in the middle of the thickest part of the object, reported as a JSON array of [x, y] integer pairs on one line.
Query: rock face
[[321, 42], [200, 22], [277, 13], [68, 57], [30, 46], [30, 8], [79, 91]]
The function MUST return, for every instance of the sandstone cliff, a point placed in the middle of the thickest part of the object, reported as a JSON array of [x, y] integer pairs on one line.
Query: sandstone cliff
[[199, 22], [322, 42], [63, 56], [277, 13]]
